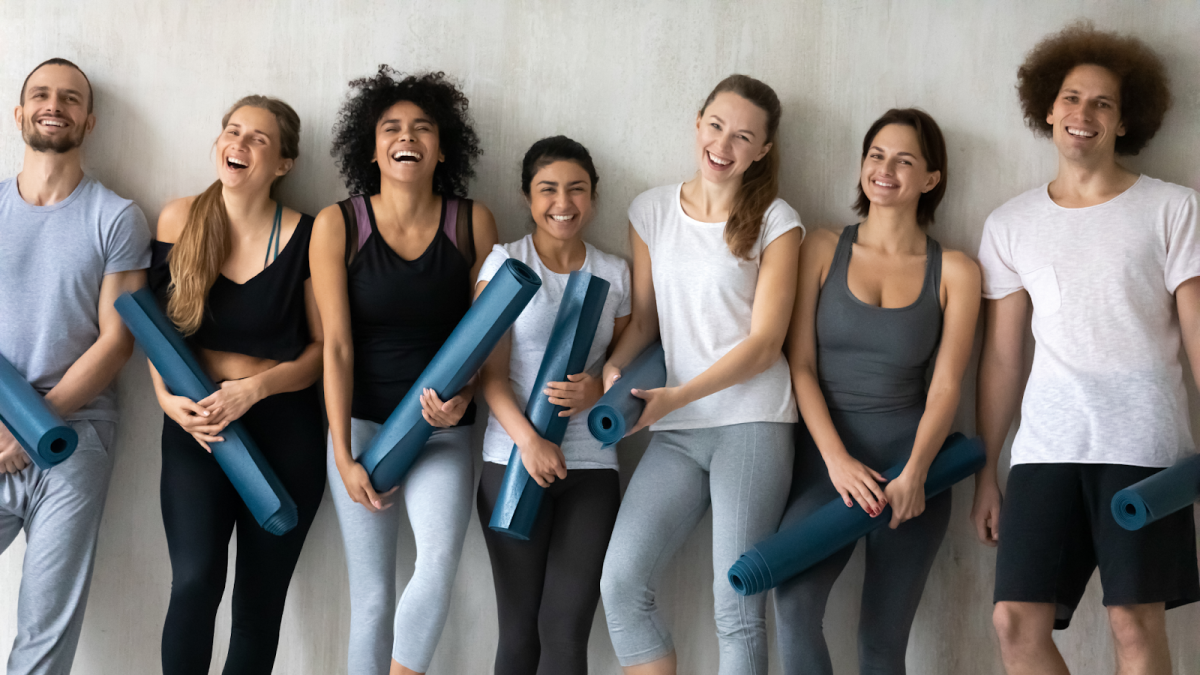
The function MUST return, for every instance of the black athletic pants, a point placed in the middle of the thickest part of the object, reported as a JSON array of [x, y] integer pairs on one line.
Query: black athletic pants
[[200, 508], [547, 588]]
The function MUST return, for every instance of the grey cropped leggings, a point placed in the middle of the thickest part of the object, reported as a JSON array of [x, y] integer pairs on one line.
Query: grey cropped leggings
[[744, 471], [437, 495]]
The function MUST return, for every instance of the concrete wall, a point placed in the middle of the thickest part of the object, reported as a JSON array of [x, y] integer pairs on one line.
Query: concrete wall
[[627, 83]]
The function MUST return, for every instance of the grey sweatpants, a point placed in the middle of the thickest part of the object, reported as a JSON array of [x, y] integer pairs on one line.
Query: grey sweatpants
[[744, 470], [437, 495], [60, 510]]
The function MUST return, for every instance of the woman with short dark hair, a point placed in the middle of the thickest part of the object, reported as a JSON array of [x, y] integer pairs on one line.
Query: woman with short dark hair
[[876, 306]]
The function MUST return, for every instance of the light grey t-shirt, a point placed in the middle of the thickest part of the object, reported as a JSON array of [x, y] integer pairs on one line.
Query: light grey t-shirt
[[531, 334], [1107, 383], [52, 260], [705, 296]]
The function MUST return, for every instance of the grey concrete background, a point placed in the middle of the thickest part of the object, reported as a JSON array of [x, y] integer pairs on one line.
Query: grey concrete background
[[625, 79]]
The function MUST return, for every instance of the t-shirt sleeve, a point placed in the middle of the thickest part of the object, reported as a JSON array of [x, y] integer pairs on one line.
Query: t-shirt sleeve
[[641, 216], [492, 263], [127, 242], [779, 219], [1000, 277], [1183, 244], [625, 304]]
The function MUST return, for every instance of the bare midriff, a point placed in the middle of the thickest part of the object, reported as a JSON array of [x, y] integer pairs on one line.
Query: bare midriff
[[222, 366]]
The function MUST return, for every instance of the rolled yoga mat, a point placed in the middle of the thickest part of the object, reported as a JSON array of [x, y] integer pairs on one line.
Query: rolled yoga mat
[[566, 354], [1158, 496], [618, 409], [402, 437], [238, 456], [45, 436], [830, 528]]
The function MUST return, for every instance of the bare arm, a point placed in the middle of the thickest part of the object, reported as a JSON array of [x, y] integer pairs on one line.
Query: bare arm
[[997, 397], [774, 297], [642, 328], [1187, 301], [962, 287]]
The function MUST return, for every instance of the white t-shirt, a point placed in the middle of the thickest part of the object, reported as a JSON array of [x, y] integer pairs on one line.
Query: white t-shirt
[[705, 296], [1107, 383], [531, 334]]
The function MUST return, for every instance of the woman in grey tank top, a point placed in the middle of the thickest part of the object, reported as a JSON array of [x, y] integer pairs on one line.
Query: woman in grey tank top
[[874, 307]]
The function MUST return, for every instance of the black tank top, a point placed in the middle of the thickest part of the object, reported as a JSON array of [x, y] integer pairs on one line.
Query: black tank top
[[401, 311], [264, 317], [874, 359]]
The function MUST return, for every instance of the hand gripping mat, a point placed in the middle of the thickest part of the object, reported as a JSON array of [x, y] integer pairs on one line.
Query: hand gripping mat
[[44, 435], [618, 409]]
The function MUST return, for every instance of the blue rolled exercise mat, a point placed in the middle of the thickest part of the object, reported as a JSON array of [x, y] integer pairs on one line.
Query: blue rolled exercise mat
[[238, 456], [45, 436], [566, 354], [1158, 496], [403, 436], [834, 526], [618, 409]]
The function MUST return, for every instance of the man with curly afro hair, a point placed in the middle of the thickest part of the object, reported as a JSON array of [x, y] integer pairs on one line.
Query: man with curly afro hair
[[1109, 262]]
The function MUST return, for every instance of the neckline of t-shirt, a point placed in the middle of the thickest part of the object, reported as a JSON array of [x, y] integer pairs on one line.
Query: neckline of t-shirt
[[685, 216], [16, 195], [1080, 209], [587, 255]]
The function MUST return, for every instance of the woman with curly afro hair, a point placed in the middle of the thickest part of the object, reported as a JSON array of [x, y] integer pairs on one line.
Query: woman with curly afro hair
[[393, 268], [1109, 263]]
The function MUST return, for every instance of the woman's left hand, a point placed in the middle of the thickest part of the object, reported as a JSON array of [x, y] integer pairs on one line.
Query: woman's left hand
[[231, 400], [906, 496], [660, 402], [441, 413], [579, 393]]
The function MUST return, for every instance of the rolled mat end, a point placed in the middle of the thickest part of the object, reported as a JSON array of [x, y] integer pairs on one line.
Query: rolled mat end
[[748, 576], [606, 424], [1129, 510], [281, 522]]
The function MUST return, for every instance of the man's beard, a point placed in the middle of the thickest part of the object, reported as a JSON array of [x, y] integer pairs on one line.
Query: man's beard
[[40, 143]]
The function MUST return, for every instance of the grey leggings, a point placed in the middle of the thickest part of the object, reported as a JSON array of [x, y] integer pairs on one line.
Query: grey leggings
[[437, 496], [744, 470], [898, 561]]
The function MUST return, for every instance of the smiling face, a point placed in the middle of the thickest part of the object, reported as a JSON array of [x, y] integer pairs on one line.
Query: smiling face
[[1086, 115], [54, 116], [407, 146], [731, 134], [249, 152], [894, 173], [560, 199]]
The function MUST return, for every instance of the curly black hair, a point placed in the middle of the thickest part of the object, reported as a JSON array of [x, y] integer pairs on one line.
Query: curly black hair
[[370, 97], [1145, 93]]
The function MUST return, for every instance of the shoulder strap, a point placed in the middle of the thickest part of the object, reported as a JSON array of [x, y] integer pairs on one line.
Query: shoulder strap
[[358, 224], [933, 265], [457, 226]]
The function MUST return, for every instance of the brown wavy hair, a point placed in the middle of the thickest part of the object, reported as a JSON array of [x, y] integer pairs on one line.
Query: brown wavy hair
[[1145, 91], [204, 246], [760, 183], [933, 149]]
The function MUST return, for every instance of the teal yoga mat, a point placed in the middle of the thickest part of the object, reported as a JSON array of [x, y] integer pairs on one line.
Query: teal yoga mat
[[45, 436], [238, 456], [830, 528], [402, 437], [1158, 496], [566, 354], [618, 409]]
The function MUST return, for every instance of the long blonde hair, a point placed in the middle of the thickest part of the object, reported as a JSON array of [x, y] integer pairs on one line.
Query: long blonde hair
[[204, 244], [760, 183]]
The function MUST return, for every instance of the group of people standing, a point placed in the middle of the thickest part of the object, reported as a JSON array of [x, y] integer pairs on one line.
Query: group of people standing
[[865, 336]]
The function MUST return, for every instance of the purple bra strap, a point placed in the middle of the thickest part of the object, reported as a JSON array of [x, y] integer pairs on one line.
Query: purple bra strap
[[363, 220], [451, 225]]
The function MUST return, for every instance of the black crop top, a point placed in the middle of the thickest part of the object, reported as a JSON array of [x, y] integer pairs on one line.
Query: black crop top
[[264, 317], [401, 311]]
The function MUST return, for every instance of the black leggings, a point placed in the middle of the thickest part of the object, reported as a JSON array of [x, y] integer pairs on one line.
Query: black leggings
[[547, 588], [200, 508]]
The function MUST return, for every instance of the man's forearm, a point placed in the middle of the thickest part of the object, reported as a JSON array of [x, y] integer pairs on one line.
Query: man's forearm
[[91, 373]]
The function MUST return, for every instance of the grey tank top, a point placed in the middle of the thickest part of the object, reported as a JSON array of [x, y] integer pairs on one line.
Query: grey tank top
[[874, 359]]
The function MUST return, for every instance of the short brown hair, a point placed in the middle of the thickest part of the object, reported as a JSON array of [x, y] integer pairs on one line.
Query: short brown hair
[[933, 148], [58, 62], [1145, 93]]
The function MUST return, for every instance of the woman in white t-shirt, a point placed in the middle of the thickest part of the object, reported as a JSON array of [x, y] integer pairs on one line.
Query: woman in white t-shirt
[[547, 588], [714, 277]]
